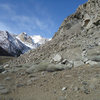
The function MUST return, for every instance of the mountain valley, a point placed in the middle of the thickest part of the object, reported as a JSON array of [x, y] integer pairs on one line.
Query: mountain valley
[[66, 67]]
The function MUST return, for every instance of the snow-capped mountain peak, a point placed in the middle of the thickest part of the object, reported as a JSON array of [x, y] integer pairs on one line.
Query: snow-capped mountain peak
[[19, 44], [38, 39], [31, 41], [11, 44]]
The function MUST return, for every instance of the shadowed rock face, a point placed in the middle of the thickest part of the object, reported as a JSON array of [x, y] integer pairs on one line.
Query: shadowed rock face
[[3, 52], [78, 32]]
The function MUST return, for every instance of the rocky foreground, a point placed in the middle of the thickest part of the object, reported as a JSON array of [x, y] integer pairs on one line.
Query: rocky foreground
[[65, 68], [82, 83]]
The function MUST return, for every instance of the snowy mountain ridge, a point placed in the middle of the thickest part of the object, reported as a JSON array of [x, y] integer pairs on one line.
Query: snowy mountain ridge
[[19, 44], [31, 41], [38, 39]]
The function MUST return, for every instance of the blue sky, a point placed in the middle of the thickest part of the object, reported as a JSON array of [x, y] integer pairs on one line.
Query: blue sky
[[35, 17]]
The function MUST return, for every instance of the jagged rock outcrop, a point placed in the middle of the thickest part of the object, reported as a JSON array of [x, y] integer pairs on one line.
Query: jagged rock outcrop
[[31, 41], [27, 40], [23, 37], [78, 33]]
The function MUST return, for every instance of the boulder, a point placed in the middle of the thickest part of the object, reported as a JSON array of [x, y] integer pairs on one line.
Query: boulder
[[7, 79], [91, 62], [78, 63], [64, 88], [57, 58], [96, 58], [55, 67], [69, 65], [30, 70]]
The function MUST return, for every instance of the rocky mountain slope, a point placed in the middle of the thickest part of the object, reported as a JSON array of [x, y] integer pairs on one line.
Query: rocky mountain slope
[[77, 39]]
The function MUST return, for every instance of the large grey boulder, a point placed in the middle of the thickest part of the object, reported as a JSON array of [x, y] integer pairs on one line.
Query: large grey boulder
[[57, 58], [78, 63]]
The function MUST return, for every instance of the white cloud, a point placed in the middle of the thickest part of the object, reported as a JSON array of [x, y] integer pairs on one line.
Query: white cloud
[[7, 8], [26, 22]]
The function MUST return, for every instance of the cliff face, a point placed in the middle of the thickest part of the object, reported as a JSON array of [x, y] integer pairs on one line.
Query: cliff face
[[3, 52], [78, 33]]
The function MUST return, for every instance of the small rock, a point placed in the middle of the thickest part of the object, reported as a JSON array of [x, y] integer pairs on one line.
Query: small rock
[[92, 86], [76, 89], [69, 65], [64, 88], [1, 87], [84, 83], [22, 74], [55, 91], [43, 73], [29, 82], [4, 72], [30, 76], [19, 85], [85, 90], [4, 91], [6, 66], [7, 79]]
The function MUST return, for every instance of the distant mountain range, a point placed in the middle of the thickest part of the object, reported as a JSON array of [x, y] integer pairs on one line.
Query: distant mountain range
[[14, 45]]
